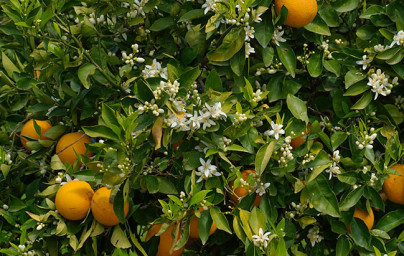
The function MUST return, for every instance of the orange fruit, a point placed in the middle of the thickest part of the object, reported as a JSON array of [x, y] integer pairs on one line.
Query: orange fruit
[[366, 217], [71, 143], [103, 209], [298, 141], [240, 192], [29, 130], [393, 187], [193, 227], [300, 12], [166, 240], [73, 199]]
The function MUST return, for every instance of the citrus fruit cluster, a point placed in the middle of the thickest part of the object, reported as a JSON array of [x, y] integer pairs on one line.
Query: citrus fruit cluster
[[75, 198], [68, 147]]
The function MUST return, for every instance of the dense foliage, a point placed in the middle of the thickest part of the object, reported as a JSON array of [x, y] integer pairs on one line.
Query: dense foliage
[[179, 97]]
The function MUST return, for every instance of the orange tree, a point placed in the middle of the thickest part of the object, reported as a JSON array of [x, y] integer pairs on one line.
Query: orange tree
[[164, 105]]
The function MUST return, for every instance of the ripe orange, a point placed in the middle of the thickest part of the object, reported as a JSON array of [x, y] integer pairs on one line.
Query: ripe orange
[[193, 227], [300, 12], [240, 192], [394, 185], [103, 209], [70, 143], [368, 218], [298, 141], [73, 199], [166, 240], [29, 130]]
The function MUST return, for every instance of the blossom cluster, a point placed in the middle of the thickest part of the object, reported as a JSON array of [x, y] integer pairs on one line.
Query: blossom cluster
[[381, 84], [366, 140]]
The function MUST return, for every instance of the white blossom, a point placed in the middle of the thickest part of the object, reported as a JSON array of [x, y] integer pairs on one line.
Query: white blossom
[[195, 121], [381, 84], [206, 170], [314, 235], [206, 120], [398, 39], [364, 62], [261, 188], [209, 5], [249, 32], [261, 240], [216, 111], [248, 50], [276, 130], [277, 36], [333, 170], [155, 70]]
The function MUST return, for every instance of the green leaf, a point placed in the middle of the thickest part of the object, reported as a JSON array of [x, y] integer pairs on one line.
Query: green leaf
[[288, 57], [188, 77], [109, 116], [360, 233], [388, 54], [55, 132], [100, 131], [166, 186], [391, 220], [333, 66], [351, 199], [237, 63], [231, 44], [235, 147], [257, 220], [337, 139], [8, 65], [281, 248], [191, 160], [364, 101], [198, 197], [16, 205], [322, 197], [263, 156], [345, 5], [318, 26], [372, 10], [220, 220], [264, 30], [119, 238], [193, 14], [119, 201], [204, 225], [357, 89], [297, 107], [213, 81], [374, 198], [366, 32], [162, 23], [352, 77], [396, 58], [315, 66], [379, 233], [343, 246], [152, 184], [84, 72], [268, 55], [329, 15]]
